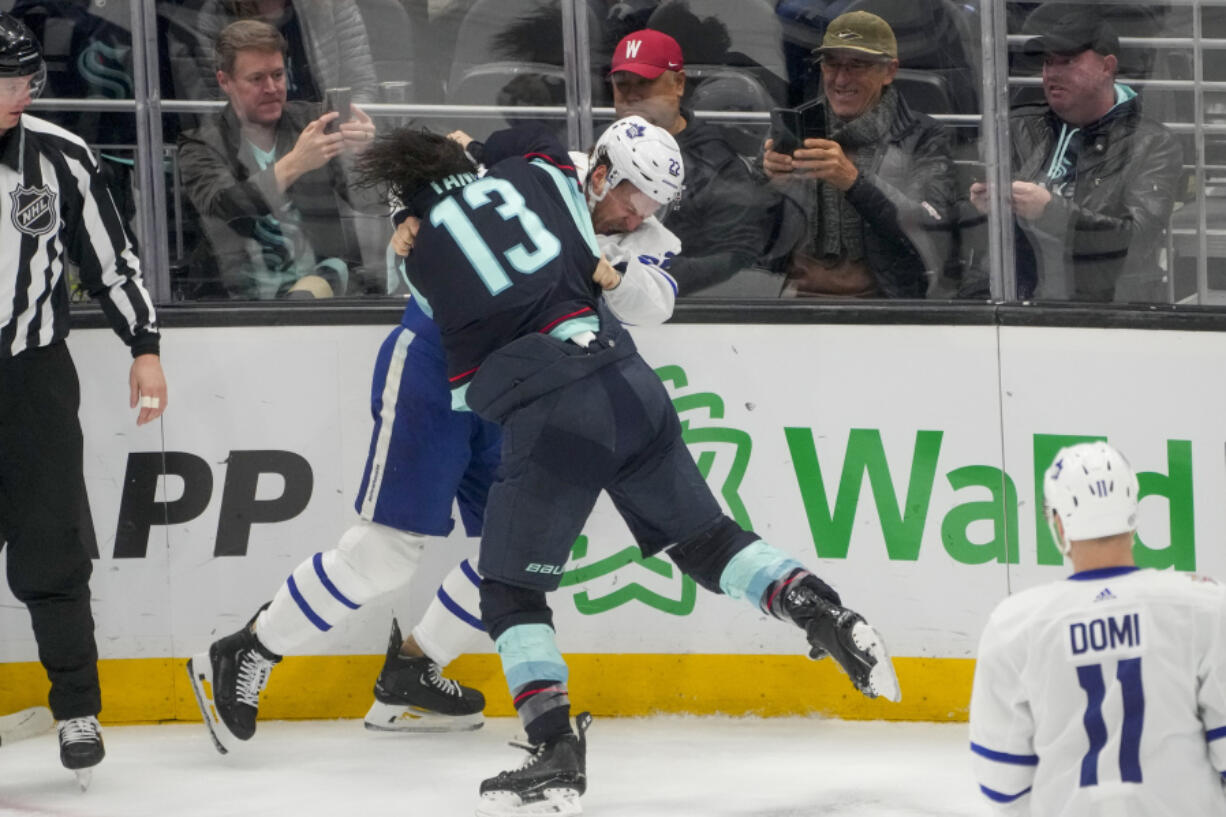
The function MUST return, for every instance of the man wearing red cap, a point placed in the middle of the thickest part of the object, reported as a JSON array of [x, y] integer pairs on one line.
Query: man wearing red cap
[[721, 216]]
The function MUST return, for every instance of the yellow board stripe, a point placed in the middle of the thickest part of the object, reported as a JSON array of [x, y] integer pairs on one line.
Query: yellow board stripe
[[144, 690]]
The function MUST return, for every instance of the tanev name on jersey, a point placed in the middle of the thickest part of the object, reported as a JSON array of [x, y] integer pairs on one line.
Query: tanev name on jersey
[[454, 182], [1105, 634]]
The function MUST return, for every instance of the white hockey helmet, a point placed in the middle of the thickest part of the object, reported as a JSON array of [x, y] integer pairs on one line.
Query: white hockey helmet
[[1094, 492], [643, 154]]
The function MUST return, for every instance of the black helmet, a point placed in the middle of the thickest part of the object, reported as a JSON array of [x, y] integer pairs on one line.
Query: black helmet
[[20, 54]]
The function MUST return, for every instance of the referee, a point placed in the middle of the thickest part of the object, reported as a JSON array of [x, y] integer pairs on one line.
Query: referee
[[54, 206]]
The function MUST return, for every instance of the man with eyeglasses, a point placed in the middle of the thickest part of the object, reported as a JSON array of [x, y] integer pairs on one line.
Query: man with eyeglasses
[[55, 208], [1094, 181], [878, 190]]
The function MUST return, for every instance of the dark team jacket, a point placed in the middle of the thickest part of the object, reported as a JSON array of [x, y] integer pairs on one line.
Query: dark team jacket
[[505, 257], [233, 199], [722, 216]]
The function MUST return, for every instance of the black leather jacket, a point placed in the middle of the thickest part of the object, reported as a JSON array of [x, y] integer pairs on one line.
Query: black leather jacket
[[1098, 239], [1107, 227], [721, 217]]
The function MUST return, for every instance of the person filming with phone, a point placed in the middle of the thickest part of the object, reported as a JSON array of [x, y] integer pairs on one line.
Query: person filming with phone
[[873, 177], [267, 175]]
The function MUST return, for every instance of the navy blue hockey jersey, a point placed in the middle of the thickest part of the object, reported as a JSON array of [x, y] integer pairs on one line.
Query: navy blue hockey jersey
[[503, 256]]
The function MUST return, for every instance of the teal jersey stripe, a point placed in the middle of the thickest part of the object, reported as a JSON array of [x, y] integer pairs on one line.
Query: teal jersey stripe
[[751, 571], [574, 202], [417, 296], [568, 329], [530, 653], [459, 398]]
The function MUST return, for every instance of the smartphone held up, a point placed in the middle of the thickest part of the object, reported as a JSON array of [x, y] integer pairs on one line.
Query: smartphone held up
[[790, 127], [339, 100]]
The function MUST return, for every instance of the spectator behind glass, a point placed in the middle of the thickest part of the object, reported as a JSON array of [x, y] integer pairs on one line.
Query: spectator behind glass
[[1093, 180], [326, 45], [878, 194], [265, 176], [720, 218]]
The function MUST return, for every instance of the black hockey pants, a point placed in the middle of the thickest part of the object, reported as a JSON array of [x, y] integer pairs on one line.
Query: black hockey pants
[[43, 509]]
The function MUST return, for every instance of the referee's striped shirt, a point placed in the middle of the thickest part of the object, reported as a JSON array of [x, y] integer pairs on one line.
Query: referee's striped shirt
[[54, 206]]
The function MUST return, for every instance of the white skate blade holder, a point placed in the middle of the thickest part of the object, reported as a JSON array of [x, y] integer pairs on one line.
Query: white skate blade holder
[[26, 723], [396, 718], [882, 680], [84, 776], [200, 671], [560, 802]]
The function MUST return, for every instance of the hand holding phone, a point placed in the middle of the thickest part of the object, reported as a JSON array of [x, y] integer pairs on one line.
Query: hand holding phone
[[787, 130], [812, 121], [337, 99]]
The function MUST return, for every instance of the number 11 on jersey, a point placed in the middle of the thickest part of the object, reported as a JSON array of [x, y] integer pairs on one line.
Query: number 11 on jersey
[[1128, 673]]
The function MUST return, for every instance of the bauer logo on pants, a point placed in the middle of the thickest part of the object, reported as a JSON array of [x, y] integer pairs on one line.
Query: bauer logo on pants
[[34, 210]]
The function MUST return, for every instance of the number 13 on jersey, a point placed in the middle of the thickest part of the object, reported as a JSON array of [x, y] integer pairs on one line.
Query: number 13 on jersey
[[450, 215]]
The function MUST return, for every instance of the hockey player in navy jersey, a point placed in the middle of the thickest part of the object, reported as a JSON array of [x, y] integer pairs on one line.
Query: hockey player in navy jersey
[[505, 264], [634, 170], [423, 457], [1103, 695]]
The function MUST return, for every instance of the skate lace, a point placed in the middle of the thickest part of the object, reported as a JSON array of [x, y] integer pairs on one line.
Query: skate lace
[[79, 730], [253, 673], [444, 685], [535, 753]]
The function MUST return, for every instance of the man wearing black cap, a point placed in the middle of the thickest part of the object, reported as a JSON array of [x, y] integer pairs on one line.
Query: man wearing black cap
[[1094, 181]]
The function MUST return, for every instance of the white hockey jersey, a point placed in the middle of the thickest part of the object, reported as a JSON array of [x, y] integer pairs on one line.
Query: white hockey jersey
[[1104, 696]]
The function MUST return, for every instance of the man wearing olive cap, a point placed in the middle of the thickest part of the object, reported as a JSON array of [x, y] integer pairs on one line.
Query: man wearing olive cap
[[878, 186]]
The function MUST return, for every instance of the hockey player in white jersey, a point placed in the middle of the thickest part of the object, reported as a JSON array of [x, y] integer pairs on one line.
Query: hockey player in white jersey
[[423, 457], [634, 169], [1103, 695]]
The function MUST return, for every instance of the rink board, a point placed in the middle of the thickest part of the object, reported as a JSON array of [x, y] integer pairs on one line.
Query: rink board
[[900, 461]]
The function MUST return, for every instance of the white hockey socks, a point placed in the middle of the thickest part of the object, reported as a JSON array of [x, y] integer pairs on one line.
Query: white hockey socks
[[452, 623], [370, 560]]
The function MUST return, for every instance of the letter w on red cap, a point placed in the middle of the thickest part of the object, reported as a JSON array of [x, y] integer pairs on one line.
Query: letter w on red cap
[[648, 53]]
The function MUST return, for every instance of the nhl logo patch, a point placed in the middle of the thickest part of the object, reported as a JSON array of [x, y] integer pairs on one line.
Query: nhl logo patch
[[34, 210]]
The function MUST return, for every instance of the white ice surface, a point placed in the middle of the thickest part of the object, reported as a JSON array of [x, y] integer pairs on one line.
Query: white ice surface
[[654, 767]]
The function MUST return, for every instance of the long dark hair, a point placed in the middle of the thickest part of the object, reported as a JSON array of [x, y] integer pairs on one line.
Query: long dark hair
[[406, 159]]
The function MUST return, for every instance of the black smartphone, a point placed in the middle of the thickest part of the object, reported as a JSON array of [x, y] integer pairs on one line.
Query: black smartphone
[[787, 130], [813, 120], [337, 99]]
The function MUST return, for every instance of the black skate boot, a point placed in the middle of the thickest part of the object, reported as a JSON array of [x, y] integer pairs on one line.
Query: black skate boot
[[550, 781], [228, 680], [81, 747], [836, 631], [411, 695]]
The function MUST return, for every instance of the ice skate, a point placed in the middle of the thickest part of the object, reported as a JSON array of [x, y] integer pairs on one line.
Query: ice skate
[[81, 747], [411, 695], [840, 633], [550, 782], [25, 723], [228, 680]]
